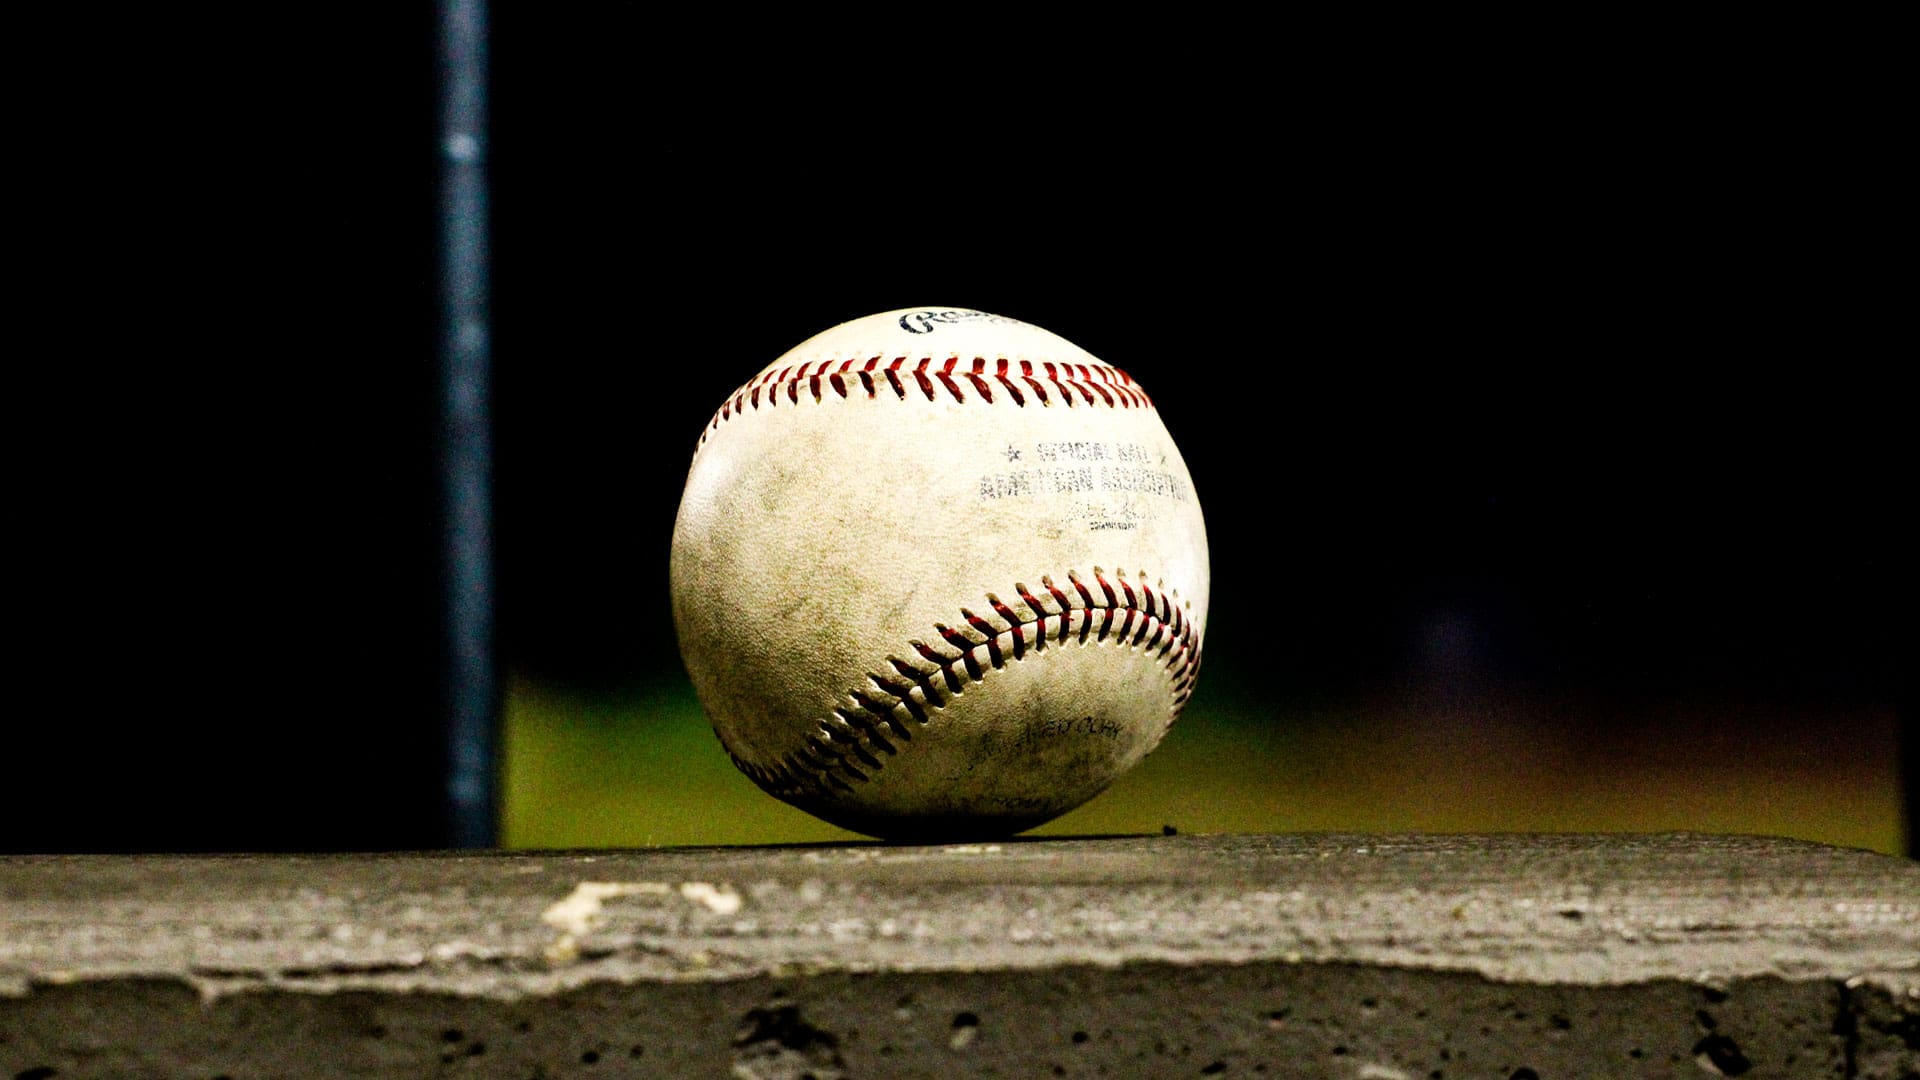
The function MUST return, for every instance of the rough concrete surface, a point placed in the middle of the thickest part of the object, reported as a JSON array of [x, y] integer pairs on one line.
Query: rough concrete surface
[[1340, 956]]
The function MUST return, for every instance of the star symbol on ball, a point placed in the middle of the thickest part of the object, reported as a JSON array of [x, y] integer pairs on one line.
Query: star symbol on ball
[[1013, 454]]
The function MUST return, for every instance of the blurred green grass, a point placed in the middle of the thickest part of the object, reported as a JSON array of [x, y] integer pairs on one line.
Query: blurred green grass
[[644, 769]]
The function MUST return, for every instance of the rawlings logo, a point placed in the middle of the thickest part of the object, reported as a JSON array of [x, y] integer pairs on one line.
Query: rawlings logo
[[923, 322]]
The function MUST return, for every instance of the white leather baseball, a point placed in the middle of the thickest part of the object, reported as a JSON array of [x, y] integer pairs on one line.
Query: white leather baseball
[[939, 573]]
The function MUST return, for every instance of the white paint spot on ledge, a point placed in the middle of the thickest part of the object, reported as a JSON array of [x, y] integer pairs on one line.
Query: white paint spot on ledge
[[721, 900], [574, 914]]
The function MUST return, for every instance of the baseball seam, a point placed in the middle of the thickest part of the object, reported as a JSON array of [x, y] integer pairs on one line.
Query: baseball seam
[[852, 744], [1017, 381]]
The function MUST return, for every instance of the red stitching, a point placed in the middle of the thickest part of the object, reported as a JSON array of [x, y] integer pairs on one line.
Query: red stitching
[[849, 744], [1115, 388]]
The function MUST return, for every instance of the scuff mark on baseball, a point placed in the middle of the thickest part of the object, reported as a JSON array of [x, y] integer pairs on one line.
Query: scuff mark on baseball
[[939, 574]]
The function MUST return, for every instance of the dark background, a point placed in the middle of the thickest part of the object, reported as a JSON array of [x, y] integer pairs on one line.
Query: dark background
[[1564, 385]]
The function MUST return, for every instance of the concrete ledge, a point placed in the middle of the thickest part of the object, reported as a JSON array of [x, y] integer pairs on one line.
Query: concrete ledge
[[1344, 956]]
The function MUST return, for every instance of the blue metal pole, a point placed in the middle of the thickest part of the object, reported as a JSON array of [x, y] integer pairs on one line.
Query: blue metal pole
[[466, 465]]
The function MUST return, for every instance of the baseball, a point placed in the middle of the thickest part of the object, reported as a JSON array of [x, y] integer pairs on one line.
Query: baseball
[[939, 574]]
